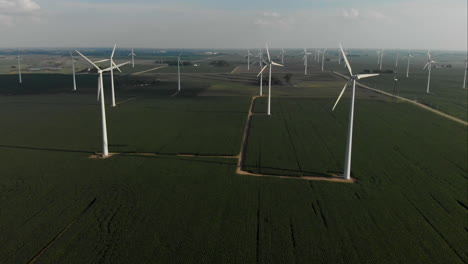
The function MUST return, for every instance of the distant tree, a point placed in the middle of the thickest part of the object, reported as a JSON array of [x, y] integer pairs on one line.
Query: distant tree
[[366, 71], [288, 77], [219, 63]]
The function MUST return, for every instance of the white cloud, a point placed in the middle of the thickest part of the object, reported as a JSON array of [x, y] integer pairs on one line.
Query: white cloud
[[18, 6], [351, 13]]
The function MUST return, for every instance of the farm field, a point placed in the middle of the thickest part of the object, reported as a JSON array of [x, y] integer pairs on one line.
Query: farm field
[[59, 205]]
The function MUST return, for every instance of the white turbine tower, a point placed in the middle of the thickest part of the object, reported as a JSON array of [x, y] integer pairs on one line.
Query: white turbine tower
[[178, 71], [105, 149], [269, 63], [352, 78], [132, 54], [407, 67], [339, 57], [464, 78], [260, 56], [282, 56], [305, 60], [429, 67], [381, 58], [397, 55], [73, 68], [19, 68], [112, 63], [323, 58], [248, 59]]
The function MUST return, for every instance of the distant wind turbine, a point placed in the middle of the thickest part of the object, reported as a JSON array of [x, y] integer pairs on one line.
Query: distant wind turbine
[[464, 78], [352, 78], [132, 54], [282, 56], [73, 68], [378, 57], [339, 57], [248, 59], [105, 150], [305, 60], [429, 67], [397, 55], [19, 68], [407, 67], [269, 63], [323, 58], [260, 56], [381, 58], [179, 63], [396, 90], [112, 63]]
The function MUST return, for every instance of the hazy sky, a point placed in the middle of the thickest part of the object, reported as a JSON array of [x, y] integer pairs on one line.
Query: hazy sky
[[415, 24]]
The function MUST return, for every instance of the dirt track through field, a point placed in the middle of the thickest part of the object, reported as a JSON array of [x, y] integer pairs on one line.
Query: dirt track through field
[[240, 157], [153, 69], [425, 107]]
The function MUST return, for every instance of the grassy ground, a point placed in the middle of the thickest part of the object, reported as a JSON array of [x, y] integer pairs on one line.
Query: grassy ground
[[57, 205]]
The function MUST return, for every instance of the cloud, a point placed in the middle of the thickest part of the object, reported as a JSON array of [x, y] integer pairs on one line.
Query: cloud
[[351, 13], [12, 7], [272, 19]]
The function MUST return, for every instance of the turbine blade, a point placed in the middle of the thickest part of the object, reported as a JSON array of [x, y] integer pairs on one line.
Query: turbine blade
[[268, 52], [113, 63], [341, 94], [425, 66], [346, 61], [101, 61], [262, 70], [116, 66], [113, 51], [88, 60], [362, 76], [277, 64]]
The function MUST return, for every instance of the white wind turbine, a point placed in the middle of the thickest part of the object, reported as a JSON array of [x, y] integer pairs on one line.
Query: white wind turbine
[[178, 71], [269, 63], [397, 55], [407, 67], [112, 63], [428, 66], [248, 59], [305, 60], [378, 57], [105, 149], [282, 56], [352, 78], [381, 58], [19, 68], [73, 68], [260, 56], [339, 57], [323, 58], [132, 54], [464, 78]]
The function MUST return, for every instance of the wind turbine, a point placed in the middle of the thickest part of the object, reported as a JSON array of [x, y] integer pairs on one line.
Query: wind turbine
[[248, 59], [73, 67], [396, 90], [112, 63], [396, 61], [282, 56], [464, 78], [105, 150], [19, 68], [428, 66], [381, 58], [269, 63], [323, 58], [178, 71], [260, 56], [305, 60], [352, 78], [407, 67], [339, 57], [133, 58]]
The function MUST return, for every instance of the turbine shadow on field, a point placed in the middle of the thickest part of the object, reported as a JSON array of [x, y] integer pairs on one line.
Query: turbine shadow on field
[[47, 149]]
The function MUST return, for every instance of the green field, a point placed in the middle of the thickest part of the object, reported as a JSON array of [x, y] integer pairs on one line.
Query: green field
[[58, 205]]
